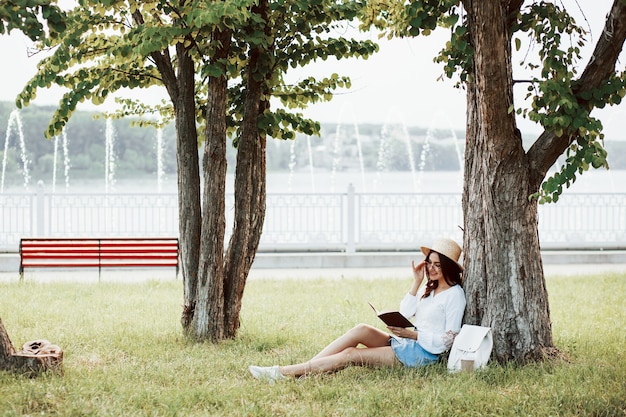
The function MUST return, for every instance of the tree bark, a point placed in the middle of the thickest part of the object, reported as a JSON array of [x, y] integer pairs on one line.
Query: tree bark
[[188, 173], [504, 279], [6, 348], [207, 322], [250, 188]]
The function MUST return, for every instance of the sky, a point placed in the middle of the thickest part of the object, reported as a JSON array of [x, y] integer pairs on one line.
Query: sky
[[396, 85]]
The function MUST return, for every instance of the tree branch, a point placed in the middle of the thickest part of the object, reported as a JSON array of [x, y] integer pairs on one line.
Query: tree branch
[[512, 9], [548, 147], [163, 63]]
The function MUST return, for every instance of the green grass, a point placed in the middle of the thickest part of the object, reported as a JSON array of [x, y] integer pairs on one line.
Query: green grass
[[124, 354]]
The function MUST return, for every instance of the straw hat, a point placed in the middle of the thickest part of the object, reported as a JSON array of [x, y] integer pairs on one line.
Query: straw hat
[[446, 247]]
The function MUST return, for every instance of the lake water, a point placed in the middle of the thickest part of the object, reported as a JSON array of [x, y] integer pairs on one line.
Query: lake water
[[593, 181]]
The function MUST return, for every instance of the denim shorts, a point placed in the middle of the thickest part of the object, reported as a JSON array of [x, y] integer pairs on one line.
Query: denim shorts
[[411, 353]]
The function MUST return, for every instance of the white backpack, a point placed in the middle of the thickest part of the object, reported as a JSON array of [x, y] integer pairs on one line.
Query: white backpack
[[471, 348]]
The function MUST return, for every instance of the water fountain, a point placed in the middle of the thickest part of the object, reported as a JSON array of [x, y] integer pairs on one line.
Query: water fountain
[[336, 158], [160, 166], [54, 163], [109, 155], [447, 133], [340, 137], [66, 161], [360, 151], [383, 150], [390, 131], [15, 122], [423, 156], [409, 150], [292, 164], [310, 151]]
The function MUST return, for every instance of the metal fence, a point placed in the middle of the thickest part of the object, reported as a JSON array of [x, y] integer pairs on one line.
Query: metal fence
[[346, 221]]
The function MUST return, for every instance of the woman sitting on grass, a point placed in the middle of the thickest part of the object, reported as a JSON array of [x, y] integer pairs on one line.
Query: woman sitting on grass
[[436, 311]]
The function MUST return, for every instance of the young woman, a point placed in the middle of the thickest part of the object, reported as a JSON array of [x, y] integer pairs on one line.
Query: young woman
[[436, 310]]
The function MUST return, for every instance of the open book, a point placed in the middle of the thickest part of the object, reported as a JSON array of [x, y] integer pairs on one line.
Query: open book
[[393, 318]]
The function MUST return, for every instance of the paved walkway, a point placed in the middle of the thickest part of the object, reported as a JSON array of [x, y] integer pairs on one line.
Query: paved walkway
[[312, 273], [140, 275], [310, 265]]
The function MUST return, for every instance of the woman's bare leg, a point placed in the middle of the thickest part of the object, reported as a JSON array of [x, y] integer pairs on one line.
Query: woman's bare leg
[[373, 357], [361, 334], [342, 352]]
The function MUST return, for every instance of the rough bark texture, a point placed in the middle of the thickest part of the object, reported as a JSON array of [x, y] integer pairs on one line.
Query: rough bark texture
[[209, 312], [249, 219], [6, 348], [250, 192], [505, 285], [188, 172]]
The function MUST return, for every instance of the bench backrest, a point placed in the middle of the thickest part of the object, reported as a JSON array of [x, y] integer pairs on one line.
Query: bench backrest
[[98, 252]]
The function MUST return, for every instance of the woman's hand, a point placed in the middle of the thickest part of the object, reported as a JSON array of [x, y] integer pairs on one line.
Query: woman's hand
[[418, 275], [418, 271], [402, 332]]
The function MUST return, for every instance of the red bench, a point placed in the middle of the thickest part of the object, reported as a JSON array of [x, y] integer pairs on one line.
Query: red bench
[[98, 253]]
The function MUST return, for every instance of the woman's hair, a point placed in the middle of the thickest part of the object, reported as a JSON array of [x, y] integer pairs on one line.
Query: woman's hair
[[450, 271]]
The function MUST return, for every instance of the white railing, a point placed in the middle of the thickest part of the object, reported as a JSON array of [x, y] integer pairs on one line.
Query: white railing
[[346, 221]]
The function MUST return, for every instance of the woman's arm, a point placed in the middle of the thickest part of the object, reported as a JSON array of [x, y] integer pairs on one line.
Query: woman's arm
[[408, 305], [418, 276]]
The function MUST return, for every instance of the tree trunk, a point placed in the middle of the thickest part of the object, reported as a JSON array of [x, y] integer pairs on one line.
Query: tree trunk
[[6, 348], [504, 279], [188, 172], [250, 187], [250, 196], [207, 322]]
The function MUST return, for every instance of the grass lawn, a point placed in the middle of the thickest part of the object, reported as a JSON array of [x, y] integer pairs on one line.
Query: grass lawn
[[124, 354]]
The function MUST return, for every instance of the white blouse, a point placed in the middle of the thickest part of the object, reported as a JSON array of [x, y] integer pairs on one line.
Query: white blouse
[[437, 318]]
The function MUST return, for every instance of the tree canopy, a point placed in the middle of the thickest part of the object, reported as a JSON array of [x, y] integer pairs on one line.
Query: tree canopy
[[221, 64], [109, 46], [32, 17]]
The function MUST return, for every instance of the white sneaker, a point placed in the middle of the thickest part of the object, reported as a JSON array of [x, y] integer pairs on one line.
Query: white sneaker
[[268, 373]]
